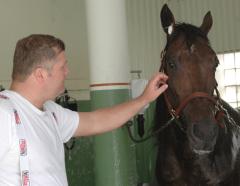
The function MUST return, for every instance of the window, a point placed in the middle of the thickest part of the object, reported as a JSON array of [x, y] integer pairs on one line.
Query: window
[[228, 77]]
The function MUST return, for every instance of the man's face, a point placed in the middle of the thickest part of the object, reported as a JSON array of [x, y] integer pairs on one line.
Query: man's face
[[57, 75]]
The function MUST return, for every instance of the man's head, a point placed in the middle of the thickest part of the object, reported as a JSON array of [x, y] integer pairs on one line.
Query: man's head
[[33, 52]]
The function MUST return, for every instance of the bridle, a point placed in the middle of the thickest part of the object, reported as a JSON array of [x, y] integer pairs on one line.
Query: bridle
[[219, 110], [175, 112]]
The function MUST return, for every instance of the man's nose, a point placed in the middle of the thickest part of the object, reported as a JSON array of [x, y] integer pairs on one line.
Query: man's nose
[[66, 71]]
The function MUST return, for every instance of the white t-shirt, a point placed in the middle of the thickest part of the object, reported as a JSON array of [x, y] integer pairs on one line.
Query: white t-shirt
[[45, 137]]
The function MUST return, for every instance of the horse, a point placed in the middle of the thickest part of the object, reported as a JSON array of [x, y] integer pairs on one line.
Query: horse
[[200, 146]]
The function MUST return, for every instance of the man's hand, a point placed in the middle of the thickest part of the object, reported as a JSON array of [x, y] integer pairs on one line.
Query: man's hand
[[106, 119], [155, 87]]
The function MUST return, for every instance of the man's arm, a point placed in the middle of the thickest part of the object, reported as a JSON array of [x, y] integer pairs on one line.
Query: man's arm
[[107, 119]]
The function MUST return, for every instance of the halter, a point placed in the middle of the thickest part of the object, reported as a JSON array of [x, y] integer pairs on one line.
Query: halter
[[220, 112], [175, 112]]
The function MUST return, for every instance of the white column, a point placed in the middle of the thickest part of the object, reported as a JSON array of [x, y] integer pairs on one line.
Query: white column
[[108, 44]]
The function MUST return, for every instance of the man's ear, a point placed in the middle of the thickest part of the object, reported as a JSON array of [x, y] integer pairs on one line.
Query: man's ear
[[40, 74]]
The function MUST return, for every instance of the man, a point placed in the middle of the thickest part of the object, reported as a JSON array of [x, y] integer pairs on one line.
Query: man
[[39, 71]]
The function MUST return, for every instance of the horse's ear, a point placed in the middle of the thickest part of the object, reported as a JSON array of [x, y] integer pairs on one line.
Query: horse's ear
[[207, 23], [167, 19]]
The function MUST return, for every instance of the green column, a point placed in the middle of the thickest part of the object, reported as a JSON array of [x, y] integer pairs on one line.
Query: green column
[[114, 153]]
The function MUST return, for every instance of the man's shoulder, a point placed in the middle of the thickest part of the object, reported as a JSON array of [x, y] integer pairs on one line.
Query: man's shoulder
[[56, 108], [5, 106], [51, 105]]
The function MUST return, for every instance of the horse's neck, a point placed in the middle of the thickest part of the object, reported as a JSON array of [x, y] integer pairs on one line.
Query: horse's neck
[[230, 135]]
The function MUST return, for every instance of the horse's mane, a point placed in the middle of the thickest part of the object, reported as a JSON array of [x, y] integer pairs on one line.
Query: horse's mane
[[234, 113], [190, 33]]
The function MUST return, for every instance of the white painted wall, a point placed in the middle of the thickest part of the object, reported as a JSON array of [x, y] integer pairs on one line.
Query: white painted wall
[[147, 39], [64, 19], [67, 19]]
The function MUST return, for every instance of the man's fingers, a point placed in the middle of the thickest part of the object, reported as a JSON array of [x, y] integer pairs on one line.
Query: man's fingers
[[162, 88], [159, 79]]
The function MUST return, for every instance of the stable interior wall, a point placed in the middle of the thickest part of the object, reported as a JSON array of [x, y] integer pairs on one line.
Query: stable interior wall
[[63, 19], [147, 39], [67, 20]]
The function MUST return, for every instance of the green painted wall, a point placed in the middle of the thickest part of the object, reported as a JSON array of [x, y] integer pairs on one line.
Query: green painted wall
[[146, 151], [79, 160]]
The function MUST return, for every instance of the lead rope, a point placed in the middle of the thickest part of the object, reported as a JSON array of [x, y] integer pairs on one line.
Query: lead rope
[[152, 134], [22, 142]]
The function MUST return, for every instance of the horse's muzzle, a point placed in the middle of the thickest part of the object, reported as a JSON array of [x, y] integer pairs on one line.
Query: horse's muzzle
[[204, 135]]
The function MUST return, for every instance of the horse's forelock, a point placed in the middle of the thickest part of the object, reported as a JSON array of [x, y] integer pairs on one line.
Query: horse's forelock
[[190, 33]]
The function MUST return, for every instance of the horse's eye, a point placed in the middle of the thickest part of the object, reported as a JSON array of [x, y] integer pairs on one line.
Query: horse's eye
[[171, 63], [216, 63]]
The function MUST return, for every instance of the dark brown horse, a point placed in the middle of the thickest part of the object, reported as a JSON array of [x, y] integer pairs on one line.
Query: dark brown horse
[[200, 147]]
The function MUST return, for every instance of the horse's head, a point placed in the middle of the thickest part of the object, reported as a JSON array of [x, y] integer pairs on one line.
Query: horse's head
[[190, 63]]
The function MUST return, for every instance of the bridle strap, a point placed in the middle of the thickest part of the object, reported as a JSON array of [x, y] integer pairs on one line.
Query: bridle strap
[[194, 96], [183, 104], [178, 110], [170, 108], [220, 113]]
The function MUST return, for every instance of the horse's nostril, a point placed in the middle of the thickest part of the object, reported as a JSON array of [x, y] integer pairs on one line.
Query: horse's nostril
[[197, 131], [204, 131]]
